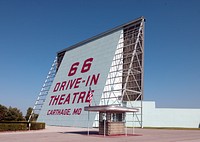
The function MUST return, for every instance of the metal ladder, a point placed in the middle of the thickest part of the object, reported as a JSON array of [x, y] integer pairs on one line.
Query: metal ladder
[[44, 91]]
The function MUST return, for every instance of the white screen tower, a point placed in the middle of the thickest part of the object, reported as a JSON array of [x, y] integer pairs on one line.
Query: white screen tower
[[110, 66]]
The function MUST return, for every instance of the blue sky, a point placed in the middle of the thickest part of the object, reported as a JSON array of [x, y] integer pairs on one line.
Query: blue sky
[[32, 31]]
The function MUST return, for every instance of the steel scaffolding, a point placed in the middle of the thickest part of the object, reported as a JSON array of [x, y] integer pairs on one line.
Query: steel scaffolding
[[44, 91], [124, 84]]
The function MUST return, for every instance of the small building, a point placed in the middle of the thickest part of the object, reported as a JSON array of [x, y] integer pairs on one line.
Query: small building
[[111, 118]]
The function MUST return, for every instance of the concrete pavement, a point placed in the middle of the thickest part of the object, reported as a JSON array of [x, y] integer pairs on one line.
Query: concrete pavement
[[71, 134]]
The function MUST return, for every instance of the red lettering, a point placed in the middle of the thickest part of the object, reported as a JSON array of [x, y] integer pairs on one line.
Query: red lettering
[[48, 112], [67, 111], [62, 85], [78, 80], [50, 103], [55, 100], [81, 97], [86, 65], [77, 111], [67, 100], [87, 99], [73, 69], [87, 80], [72, 82], [59, 112], [75, 94], [61, 99], [94, 79], [56, 87], [67, 85]]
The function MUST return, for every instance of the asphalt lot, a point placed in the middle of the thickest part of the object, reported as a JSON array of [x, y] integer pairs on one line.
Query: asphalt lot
[[71, 134]]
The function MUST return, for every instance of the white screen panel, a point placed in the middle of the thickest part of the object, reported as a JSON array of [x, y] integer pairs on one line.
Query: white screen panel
[[87, 65]]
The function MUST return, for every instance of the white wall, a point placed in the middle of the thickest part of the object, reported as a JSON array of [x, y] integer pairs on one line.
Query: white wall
[[167, 117], [70, 91]]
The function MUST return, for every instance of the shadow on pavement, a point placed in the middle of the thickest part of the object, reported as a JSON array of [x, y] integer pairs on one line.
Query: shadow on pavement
[[96, 133]]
